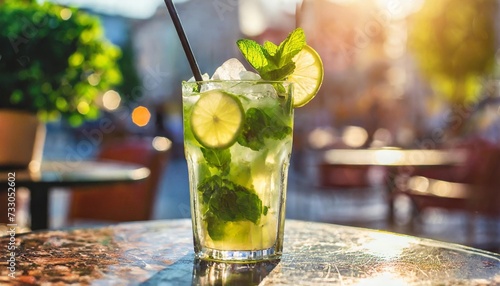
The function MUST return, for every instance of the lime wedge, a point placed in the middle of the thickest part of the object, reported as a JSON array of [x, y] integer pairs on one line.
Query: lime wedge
[[307, 76], [216, 119]]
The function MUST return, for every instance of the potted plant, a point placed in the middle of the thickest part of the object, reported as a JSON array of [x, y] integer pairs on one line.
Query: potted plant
[[54, 62]]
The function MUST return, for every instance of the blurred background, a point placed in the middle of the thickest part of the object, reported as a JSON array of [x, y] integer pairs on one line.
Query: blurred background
[[407, 74]]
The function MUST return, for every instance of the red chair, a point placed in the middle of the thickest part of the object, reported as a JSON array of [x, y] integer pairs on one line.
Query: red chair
[[473, 189], [124, 201], [349, 176]]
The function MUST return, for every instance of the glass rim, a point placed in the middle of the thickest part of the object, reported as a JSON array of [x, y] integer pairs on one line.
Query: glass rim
[[235, 81]]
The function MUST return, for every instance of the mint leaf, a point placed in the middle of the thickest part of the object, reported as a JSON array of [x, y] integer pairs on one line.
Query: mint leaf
[[280, 73], [228, 201], [291, 46], [273, 62], [218, 158], [209, 186], [270, 47], [259, 126], [235, 203], [215, 227], [265, 210], [253, 53], [251, 135]]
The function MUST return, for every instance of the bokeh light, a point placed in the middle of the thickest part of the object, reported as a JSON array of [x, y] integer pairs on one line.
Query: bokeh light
[[252, 21], [161, 143], [382, 137], [141, 116], [83, 107], [354, 136], [94, 79], [111, 100], [65, 14], [321, 138]]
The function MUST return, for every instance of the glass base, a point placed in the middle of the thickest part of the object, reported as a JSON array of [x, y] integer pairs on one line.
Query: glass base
[[238, 256], [223, 273]]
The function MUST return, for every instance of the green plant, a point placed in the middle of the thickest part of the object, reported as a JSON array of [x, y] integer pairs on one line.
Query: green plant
[[54, 61]]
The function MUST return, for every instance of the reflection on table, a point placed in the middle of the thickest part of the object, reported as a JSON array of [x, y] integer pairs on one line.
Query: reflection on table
[[67, 174], [160, 252]]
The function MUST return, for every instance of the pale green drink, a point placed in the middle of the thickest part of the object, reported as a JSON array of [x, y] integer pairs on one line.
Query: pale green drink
[[238, 187]]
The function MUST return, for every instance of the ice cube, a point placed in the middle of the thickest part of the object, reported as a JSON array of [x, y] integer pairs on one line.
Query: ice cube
[[263, 90], [248, 75], [253, 90], [229, 70]]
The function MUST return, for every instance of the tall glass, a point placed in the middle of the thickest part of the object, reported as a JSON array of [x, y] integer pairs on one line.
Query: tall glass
[[238, 192]]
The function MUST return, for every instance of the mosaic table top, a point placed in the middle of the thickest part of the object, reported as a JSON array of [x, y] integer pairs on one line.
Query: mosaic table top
[[161, 253]]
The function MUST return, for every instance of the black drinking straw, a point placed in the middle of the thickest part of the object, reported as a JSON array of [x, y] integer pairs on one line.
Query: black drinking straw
[[184, 41]]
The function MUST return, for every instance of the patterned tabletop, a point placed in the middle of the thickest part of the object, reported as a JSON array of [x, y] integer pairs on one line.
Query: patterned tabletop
[[160, 253]]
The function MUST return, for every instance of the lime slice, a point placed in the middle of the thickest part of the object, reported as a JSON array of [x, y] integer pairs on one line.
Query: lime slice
[[307, 76], [217, 119]]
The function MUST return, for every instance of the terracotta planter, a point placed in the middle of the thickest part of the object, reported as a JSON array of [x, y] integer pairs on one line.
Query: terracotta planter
[[22, 137]]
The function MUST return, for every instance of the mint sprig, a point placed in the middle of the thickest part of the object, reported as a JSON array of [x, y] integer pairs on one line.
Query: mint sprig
[[227, 201], [273, 62], [218, 158], [259, 126]]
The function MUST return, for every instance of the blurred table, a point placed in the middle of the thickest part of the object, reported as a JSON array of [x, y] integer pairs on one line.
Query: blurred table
[[393, 157], [68, 174], [396, 161], [161, 253]]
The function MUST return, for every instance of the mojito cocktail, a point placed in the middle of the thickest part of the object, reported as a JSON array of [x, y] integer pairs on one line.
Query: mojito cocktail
[[238, 140]]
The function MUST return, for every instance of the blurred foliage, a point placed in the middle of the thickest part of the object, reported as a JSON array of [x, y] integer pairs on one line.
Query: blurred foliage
[[54, 61], [454, 44], [131, 82]]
